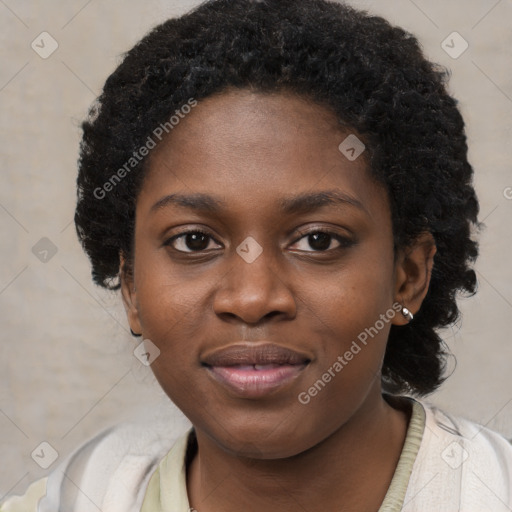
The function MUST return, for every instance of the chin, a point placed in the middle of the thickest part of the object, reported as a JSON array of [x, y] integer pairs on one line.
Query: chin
[[262, 441]]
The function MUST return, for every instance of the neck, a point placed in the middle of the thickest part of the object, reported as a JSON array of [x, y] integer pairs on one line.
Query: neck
[[351, 469]]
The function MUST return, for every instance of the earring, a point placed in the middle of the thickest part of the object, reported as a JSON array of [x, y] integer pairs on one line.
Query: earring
[[407, 314], [134, 333]]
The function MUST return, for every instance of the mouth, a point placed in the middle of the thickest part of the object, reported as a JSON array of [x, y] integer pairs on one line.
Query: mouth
[[255, 371]]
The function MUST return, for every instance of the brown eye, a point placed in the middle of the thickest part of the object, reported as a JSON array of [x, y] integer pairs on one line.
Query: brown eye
[[190, 241], [321, 241]]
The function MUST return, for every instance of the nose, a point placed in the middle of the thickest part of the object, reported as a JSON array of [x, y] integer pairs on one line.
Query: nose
[[254, 291]]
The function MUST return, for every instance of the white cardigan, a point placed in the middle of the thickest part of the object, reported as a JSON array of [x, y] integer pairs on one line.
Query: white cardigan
[[460, 466]]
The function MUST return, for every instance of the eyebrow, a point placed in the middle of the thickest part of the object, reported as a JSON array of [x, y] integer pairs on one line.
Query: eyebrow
[[302, 203]]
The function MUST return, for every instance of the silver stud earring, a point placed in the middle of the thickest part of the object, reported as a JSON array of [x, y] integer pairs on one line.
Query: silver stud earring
[[407, 314]]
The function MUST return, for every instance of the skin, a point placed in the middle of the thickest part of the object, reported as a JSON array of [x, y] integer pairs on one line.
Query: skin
[[250, 150]]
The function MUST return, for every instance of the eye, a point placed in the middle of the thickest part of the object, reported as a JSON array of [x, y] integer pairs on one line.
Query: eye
[[321, 241], [190, 241]]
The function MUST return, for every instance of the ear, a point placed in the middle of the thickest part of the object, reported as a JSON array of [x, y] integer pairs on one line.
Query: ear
[[413, 270], [129, 295]]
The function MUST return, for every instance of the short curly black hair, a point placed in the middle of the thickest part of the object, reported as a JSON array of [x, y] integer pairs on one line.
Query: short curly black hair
[[372, 75]]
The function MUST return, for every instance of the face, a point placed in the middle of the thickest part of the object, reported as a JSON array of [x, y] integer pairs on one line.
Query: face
[[262, 254]]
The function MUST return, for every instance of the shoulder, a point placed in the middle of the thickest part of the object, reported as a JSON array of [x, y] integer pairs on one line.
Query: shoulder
[[461, 465], [110, 471], [28, 502], [481, 444]]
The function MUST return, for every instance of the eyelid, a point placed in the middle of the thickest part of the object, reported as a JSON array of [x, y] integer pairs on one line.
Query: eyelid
[[344, 241], [169, 240], [323, 229]]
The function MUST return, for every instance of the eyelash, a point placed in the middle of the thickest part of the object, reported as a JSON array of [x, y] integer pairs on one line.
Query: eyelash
[[343, 241]]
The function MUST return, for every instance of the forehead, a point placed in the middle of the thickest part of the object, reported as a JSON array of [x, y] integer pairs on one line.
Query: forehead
[[241, 121], [253, 148]]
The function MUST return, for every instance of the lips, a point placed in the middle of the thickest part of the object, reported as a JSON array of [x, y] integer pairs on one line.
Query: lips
[[254, 370], [250, 354]]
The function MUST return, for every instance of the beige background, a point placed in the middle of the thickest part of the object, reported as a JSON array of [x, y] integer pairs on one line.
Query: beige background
[[66, 363]]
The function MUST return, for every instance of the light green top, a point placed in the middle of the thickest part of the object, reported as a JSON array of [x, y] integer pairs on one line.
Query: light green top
[[167, 488], [394, 498]]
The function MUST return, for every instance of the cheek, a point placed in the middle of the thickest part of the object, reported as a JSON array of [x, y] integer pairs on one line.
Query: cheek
[[350, 317], [169, 299], [171, 314], [172, 317], [352, 299]]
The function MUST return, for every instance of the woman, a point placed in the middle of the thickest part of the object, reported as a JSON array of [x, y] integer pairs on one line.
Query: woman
[[282, 194]]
